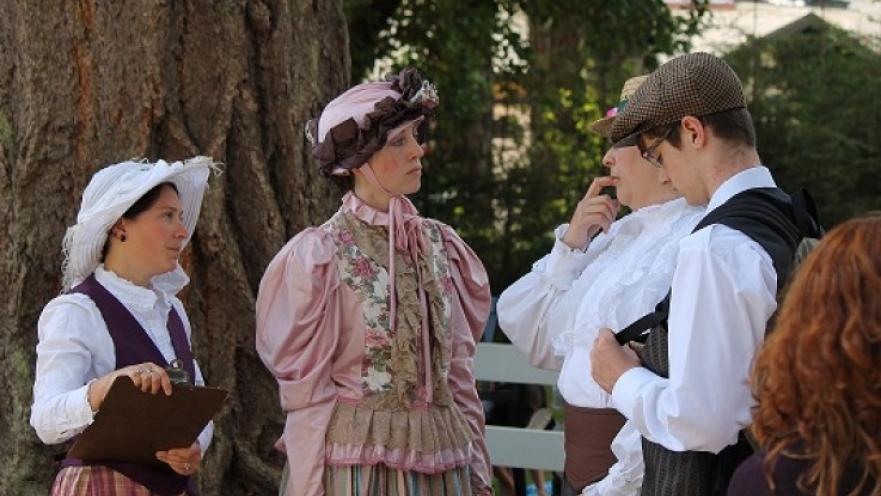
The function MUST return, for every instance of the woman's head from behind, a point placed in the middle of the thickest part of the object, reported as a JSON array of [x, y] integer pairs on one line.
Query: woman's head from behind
[[817, 378]]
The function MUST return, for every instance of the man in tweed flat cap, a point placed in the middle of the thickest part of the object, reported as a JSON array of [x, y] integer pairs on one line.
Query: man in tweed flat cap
[[687, 390]]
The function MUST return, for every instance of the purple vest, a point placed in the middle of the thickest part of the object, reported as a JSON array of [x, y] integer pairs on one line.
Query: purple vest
[[134, 346]]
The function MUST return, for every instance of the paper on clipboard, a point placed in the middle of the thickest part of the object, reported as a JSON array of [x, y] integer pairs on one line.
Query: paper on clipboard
[[133, 425]]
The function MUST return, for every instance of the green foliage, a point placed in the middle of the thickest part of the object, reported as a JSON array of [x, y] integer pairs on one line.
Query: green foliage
[[580, 53], [511, 152], [454, 44], [814, 98], [367, 19]]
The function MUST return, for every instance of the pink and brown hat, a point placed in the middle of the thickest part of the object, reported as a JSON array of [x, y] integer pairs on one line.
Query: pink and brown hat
[[356, 124]]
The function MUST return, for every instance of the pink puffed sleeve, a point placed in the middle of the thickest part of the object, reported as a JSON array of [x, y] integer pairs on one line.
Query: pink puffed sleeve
[[297, 332], [471, 305]]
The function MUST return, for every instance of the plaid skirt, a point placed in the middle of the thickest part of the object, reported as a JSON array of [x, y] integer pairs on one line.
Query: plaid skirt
[[381, 480], [96, 480]]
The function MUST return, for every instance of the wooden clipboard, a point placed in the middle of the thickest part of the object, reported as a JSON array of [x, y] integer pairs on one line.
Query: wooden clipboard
[[133, 425]]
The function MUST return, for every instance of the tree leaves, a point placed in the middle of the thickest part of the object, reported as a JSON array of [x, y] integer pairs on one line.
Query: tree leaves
[[813, 97], [519, 82]]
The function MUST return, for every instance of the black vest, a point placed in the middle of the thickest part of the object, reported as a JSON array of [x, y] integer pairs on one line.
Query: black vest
[[777, 222]]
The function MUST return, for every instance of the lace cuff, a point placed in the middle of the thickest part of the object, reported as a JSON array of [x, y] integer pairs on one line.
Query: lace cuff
[[563, 264]]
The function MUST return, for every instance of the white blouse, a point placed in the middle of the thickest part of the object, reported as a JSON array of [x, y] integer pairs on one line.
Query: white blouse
[[554, 313], [75, 347]]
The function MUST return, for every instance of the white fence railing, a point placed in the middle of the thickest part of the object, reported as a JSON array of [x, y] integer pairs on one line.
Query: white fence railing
[[510, 446]]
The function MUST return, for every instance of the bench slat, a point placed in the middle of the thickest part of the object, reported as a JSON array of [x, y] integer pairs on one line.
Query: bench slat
[[525, 448], [499, 362]]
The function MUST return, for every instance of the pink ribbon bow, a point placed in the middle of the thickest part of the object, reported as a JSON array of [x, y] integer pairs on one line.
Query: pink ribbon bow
[[405, 235]]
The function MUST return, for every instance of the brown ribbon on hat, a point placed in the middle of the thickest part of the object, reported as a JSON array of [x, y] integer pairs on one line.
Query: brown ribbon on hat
[[348, 145]]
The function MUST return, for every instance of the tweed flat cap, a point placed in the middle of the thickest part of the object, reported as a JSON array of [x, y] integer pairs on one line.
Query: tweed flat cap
[[696, 84]]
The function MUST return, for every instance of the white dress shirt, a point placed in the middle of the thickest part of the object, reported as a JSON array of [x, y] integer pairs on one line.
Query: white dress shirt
[[724, 291], [75, 348], [553, 313]]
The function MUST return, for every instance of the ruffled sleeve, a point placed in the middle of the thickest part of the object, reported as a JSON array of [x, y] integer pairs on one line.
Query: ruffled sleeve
[[525, 308], [471, 305], [298, 326]]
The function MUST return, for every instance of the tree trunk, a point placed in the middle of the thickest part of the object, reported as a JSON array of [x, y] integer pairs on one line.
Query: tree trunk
[[84, 84]]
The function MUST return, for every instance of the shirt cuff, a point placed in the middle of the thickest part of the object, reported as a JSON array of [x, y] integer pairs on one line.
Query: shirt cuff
[[205, 436], [625, 393], [83, 414], [564, 264]]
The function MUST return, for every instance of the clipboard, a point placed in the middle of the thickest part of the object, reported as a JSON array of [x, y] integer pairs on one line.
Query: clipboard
[[133, 425]]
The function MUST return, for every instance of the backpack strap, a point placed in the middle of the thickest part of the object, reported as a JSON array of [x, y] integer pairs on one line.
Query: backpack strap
[[639, 330], [807, 216], [776, 221]]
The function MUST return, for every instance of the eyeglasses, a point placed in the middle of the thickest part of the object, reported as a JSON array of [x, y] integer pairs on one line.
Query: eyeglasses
[[648, 153], [630, 140]]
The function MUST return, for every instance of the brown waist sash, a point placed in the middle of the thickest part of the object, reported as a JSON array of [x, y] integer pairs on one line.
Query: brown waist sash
[[588, 436]]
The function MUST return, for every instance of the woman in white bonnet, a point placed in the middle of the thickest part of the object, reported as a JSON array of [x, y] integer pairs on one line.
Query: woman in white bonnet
[[119, 316]]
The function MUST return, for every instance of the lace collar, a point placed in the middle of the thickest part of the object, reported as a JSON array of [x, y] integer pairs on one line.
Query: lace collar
[[372, 216], [127, 292]]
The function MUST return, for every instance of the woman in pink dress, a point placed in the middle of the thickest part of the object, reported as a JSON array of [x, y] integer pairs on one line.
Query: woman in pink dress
[[369, 321]]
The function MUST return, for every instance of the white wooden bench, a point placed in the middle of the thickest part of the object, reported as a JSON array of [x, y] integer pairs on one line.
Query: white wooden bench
[[511, 446]]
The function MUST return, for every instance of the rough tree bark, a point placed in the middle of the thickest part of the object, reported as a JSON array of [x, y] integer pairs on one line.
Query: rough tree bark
[[85, 83]]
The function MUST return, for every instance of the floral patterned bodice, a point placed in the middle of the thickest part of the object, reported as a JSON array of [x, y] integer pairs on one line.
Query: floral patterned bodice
[[391, 366]]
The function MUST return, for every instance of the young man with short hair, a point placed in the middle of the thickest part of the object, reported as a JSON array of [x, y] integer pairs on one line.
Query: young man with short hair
[[687, 390]]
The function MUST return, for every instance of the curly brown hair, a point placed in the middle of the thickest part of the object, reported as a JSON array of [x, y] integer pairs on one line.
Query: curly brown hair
[[817, 380]]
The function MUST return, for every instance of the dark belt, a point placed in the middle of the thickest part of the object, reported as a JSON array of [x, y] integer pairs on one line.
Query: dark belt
[[588, 436]]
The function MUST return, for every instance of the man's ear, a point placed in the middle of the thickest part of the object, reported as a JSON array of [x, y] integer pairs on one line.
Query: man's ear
[[694, 133]]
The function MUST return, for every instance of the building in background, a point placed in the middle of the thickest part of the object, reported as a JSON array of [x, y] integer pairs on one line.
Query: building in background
[[729, 23]]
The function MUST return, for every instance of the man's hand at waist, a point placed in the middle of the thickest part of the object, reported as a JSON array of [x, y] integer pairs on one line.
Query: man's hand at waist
[[609, 360]]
